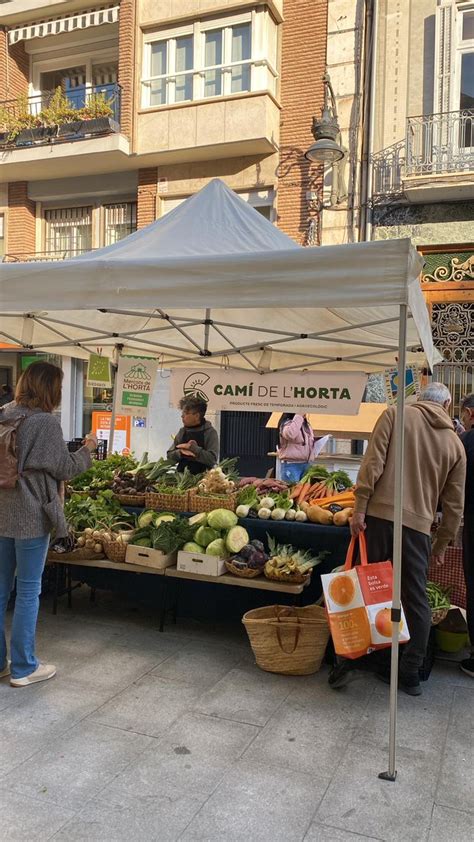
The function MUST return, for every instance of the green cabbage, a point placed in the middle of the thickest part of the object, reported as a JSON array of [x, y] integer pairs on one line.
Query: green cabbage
[[192, 547], [217, 548], [205, 535], [237, 538], [222, 519]]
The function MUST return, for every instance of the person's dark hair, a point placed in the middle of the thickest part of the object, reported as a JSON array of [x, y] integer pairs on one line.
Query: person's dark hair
[[468, 402], [193, 405], [39, 387], [6, 389]]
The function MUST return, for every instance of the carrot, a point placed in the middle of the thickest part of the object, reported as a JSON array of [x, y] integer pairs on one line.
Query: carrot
[[304, 492], [345, 501], [296, 491]]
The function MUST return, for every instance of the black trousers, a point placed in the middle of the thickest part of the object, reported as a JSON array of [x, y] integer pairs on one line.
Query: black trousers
[[416, 552], [468, 562]]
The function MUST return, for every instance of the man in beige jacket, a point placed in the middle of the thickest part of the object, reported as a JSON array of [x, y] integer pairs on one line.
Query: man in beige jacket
[[434, 471]]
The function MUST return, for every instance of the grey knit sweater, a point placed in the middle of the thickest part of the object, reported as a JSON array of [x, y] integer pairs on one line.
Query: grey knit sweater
[[34, 508]]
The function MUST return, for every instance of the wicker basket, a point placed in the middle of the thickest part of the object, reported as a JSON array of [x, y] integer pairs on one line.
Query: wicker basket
[[167, 502], [244, 573], [438, 614], [116, 549], [291, 578], [131, 499], [288, 640], [201, 503], [81, 554]]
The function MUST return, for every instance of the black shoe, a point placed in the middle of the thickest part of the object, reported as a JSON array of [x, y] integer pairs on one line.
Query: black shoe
[[410, 684], [341, 675], [467, 666]]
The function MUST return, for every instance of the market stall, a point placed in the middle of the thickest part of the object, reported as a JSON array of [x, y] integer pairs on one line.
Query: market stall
[[192, 288]]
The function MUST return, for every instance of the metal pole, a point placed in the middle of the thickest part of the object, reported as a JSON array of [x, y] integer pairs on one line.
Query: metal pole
[[118, 349], [397, 541]]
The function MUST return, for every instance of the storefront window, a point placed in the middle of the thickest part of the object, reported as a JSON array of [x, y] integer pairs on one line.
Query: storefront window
[[95, 400]]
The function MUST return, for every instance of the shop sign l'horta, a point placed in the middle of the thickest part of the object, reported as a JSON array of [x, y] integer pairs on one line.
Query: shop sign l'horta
[[331, 393]]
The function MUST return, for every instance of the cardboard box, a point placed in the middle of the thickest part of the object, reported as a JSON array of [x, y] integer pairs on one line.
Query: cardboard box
[[146, 557], [201, 564]]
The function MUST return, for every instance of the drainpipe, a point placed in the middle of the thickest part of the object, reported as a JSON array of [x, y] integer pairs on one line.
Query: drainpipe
[[369, 120]]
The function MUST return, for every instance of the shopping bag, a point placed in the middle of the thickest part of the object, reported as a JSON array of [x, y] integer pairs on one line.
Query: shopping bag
[[358, 603]]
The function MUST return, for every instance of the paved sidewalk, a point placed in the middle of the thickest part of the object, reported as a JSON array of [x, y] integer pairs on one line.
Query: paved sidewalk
[[179, 736]]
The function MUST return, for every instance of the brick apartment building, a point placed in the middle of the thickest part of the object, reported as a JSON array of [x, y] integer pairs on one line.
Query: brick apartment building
[[169, 96], [113, 113]]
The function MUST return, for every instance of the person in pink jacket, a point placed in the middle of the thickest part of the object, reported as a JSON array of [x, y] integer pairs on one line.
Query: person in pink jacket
[[296, 446]]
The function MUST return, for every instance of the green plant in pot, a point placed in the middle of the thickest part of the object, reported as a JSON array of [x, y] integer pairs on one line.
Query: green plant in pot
[[96, 106], [58, 111], [17, 118]]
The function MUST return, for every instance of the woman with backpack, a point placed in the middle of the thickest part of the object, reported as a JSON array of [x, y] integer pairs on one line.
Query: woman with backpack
[[34, 461]]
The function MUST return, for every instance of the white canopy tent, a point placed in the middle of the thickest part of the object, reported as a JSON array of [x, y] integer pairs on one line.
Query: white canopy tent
[[213, 282]]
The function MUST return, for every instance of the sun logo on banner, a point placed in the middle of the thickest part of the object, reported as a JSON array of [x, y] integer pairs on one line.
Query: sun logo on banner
[[192, 385]]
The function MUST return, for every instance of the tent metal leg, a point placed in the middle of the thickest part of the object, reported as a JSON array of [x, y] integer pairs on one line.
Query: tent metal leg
[[391, 774]]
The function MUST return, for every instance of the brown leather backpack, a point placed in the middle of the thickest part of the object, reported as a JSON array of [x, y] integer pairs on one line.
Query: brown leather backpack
[[9, 474]]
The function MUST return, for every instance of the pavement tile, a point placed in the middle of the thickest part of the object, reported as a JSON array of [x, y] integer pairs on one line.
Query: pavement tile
[[115, 667], [304, 739], [246, 696], [462, 714], [322, 833], [27, 819], [421, 724], [456, 780], [160, 817], [149, 705], [198, 665], [451, 824], [357, 801], [77, 766], [258, 803], [193, 757]]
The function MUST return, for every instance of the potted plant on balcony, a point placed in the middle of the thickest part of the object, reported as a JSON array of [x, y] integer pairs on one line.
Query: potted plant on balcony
[[17, 123]]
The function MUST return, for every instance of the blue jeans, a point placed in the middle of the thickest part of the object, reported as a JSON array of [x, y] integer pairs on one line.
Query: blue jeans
[[293, 471], [27, 556]]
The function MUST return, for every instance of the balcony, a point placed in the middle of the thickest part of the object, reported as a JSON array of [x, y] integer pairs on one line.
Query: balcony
[[434, 163], [69, 134]]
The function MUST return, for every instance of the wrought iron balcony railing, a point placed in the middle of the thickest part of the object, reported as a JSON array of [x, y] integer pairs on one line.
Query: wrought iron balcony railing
[[440, 143], [80, 113]]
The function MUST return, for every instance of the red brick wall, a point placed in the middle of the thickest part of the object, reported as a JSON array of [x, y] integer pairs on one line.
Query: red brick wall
[[146, 196], [21, 229], [14, 68], [126, 68], [303, 59]]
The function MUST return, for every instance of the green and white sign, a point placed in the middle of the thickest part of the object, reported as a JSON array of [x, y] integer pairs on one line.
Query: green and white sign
[[328, 392], [98, 372], [134, 385]]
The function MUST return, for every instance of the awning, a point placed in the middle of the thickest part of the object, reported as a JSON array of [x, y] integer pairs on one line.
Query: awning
[[358, 426], [69, 23]]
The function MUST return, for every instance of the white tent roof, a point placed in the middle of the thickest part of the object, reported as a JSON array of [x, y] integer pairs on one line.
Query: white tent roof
[[214, 279]]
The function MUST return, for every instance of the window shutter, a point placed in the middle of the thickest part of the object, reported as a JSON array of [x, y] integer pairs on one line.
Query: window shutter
[[444, 56]]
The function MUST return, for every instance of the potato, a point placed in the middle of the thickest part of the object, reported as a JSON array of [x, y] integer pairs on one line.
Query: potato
[[318, 515], [342, 518]]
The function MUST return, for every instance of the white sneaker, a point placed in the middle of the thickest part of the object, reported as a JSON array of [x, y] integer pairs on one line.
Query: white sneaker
[[6, 670], [42, 673]]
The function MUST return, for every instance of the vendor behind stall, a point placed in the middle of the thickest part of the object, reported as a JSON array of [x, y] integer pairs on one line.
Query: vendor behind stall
[[196, 445]]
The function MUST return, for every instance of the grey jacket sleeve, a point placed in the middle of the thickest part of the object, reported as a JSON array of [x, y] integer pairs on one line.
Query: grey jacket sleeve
[[208, 454], [174, 455], [49, 451]]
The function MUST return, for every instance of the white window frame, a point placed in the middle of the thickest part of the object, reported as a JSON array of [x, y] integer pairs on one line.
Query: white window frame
[[255, 197], [87, 60], [262, 59]]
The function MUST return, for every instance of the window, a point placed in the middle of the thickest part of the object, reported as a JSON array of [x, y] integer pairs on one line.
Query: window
[[71, 80], [68, 230], [120, 221], [261, 200], [210, 59]]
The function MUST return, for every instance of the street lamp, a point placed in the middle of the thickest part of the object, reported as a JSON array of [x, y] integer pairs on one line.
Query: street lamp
[[326, 132]]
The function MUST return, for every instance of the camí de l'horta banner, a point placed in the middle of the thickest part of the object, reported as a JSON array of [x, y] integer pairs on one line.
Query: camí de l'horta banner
[[333, 393]]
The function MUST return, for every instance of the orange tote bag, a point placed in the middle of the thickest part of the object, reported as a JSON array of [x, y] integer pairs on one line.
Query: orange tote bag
[[358, 604]]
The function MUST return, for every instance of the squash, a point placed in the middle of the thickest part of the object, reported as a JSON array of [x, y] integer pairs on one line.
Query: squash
[[318, 515], [342, 518]]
